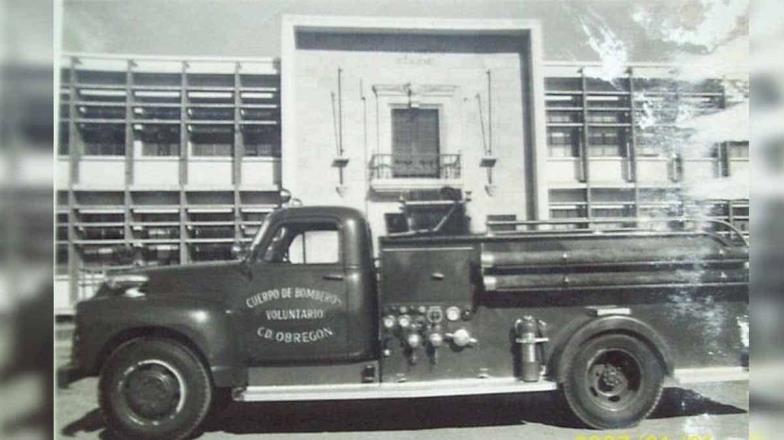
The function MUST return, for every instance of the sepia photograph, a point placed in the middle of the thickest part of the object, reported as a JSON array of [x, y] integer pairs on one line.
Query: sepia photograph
[[385, 219]]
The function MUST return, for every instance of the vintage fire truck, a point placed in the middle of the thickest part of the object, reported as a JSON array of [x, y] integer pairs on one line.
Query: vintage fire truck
[[607, 316]]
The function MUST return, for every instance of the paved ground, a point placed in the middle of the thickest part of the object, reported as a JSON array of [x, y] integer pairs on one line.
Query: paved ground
[[715, 412]]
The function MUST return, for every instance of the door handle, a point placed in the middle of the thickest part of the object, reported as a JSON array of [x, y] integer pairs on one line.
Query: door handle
[[334, 277]]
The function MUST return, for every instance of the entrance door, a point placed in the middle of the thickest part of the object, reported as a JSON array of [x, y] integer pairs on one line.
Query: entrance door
[[415, 143], [297, 305]]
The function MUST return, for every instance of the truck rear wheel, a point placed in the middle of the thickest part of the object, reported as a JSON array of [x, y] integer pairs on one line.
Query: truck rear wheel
[[154, 389], [614, 381]]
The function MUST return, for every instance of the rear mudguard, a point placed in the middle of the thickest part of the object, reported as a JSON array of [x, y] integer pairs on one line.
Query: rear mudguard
[[611, 324], [206, 327]]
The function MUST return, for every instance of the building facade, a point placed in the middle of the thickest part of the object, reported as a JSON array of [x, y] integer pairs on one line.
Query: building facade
[[169, 161], [383, 108], [161, 161]]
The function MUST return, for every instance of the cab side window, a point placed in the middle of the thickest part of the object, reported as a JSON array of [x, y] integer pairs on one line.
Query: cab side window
[[305, 243]]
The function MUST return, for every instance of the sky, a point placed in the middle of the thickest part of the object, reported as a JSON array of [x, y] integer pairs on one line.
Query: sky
[[574, 30]]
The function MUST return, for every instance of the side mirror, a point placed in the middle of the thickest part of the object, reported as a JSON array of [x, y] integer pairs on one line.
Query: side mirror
[[239, 251]]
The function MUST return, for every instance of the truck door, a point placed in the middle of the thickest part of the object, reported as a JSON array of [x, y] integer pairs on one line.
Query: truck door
[[296, 307]]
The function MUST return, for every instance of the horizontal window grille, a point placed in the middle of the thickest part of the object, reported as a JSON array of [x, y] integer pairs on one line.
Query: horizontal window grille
[[563, 117], [564, 142], [262, 150], [158, 149], [104, 141], [156, 113], [607, 118], [211, 252], [212, 149], [606, 142], [259, 143], [104, 149]]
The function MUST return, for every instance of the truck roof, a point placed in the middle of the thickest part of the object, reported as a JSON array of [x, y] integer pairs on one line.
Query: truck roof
[[341, 212]]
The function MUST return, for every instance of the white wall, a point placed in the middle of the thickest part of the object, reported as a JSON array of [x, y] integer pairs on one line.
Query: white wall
[[654, 170], [563, 170], [260, 172], [102, 171], [62, 173], [210, 171], [699, 170], [156, 171]]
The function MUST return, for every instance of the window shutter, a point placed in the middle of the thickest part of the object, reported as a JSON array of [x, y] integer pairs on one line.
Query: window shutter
[[415, 139]]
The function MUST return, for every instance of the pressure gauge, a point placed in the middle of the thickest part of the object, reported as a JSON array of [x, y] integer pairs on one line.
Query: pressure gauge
[[453, 313], [389, 322], [435, 315]]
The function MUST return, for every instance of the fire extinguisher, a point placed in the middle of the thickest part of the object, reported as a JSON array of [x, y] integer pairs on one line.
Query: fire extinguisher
[[528, 336]]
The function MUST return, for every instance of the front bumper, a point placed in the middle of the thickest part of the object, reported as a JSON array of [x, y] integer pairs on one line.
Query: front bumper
[[68, 374]]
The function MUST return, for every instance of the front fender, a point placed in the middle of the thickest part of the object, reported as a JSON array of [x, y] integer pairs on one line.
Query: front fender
[[612, 324], [105, 323]]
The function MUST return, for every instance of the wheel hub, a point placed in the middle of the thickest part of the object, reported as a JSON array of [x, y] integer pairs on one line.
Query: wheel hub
[[613, 379], [152, 391], [612, 376]]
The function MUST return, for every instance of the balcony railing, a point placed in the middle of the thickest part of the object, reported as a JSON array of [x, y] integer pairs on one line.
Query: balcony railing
[[415, 166]]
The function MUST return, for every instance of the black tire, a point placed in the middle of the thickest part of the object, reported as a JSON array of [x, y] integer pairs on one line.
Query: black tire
[[154, 388], [614, 381], [221, 401]]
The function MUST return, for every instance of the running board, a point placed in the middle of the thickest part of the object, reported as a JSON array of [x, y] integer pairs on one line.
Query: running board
[[461, 387]]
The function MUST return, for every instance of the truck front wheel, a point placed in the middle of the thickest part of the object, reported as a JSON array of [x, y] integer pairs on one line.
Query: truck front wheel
[[613, 381], [154, 389]]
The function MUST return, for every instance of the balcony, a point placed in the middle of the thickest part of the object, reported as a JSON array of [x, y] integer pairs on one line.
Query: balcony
[[403, 172]]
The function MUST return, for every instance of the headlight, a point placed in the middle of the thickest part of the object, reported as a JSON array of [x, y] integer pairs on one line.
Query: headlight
[[129, 285], [453, 313]]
